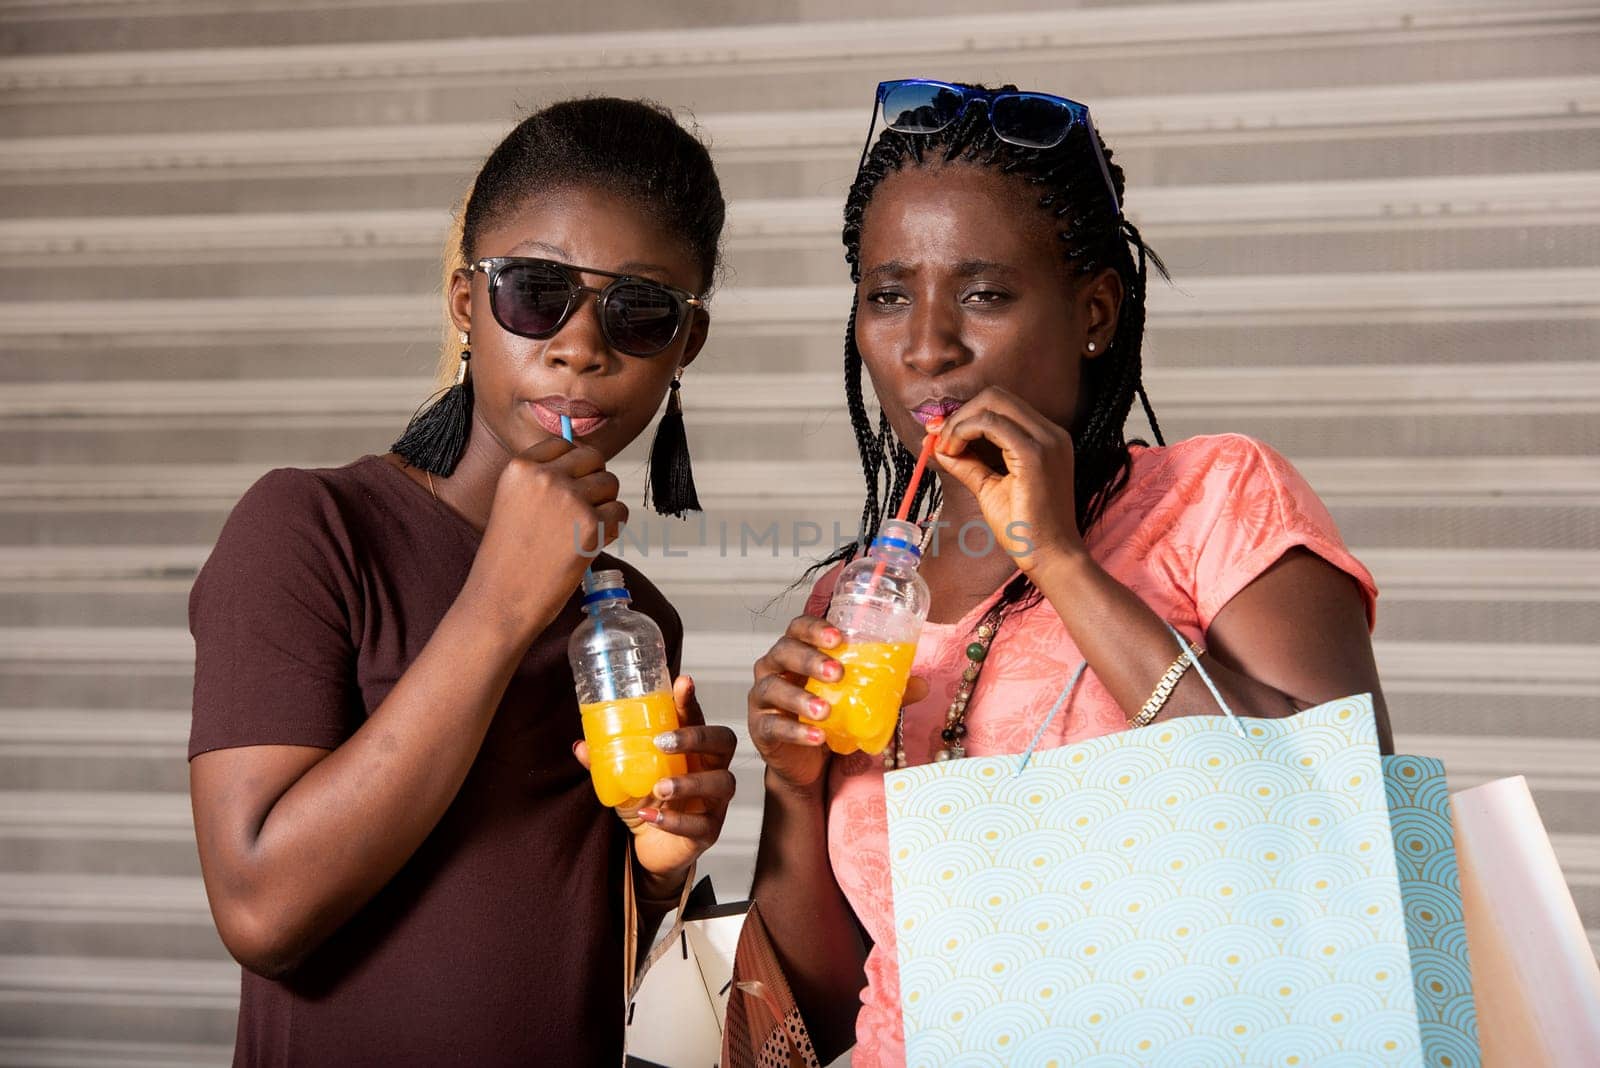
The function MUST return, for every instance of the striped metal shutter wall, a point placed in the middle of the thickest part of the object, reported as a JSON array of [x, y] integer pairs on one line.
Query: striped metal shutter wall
[[218, 243]]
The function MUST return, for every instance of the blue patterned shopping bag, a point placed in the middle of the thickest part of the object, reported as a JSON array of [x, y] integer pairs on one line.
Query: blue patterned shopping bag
[[1430, 893], [1205, 891]]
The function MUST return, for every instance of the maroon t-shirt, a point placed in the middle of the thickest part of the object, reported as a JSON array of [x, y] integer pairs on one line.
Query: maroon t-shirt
[[500, 941]]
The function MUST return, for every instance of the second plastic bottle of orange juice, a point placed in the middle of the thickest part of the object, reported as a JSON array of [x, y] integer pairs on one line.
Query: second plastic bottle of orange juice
[[619, 666], [879, 605]]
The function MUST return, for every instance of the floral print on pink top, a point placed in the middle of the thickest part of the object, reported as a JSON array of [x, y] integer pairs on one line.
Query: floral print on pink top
[[1196, 523]]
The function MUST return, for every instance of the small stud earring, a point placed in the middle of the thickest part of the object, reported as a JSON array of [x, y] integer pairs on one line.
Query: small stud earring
[[1092, 346]]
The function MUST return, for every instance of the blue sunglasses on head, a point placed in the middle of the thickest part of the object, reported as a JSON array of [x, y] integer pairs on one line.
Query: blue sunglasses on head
[[1032, 120]]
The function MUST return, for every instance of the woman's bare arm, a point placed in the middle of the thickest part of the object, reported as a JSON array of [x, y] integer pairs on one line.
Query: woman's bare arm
[[294, 840], [1294, 637]]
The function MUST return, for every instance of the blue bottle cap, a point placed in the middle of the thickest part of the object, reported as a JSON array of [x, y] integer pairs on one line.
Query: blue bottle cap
[[897, 543], [603, 586]]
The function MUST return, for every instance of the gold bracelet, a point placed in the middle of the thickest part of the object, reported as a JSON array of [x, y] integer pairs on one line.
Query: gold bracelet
[[1164, 688]]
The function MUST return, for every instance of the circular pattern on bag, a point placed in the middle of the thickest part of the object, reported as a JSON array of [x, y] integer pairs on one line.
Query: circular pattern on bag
[[1187, 897]]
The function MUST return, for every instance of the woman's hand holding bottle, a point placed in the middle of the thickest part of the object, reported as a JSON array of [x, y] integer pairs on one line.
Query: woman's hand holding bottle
[[795, 752], [684, 814]]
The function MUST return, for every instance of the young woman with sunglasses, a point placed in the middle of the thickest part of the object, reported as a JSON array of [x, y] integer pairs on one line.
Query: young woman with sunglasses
[[999, 285], [399, 838]]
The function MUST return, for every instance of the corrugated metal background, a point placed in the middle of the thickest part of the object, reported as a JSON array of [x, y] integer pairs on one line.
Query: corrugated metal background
[[219, 224]]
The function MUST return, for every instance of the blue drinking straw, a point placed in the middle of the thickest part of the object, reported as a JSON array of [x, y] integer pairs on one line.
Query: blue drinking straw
[[588, 584], [588, 573]]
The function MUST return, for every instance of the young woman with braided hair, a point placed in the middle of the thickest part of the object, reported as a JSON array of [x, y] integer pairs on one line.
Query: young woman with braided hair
[[999, 285]]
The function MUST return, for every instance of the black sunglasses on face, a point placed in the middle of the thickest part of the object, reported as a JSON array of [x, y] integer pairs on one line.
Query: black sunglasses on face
[[534, 298], [1031, 120]]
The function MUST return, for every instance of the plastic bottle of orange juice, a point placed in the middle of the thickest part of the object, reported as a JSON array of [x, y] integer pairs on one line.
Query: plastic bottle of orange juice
[[879, 605], [619, 666]]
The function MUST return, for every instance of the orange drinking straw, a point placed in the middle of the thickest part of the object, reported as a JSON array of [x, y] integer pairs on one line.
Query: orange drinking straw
[[934, 426]]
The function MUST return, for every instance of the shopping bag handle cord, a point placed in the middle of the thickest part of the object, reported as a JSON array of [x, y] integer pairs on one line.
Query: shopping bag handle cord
[[1072, 683], [1205, 677], [1077, 674]]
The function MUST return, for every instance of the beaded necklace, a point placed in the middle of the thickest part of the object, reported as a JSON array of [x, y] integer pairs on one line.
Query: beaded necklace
[[954, 733]]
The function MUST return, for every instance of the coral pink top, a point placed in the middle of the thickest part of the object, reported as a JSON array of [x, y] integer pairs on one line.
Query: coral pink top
[[1196, 523]]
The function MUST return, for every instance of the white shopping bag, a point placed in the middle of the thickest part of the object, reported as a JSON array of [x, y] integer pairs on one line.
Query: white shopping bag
[[1534, 972], [676, 1016]]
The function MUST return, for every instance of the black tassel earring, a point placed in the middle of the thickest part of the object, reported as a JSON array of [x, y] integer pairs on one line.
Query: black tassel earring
[[437, 434], [671, 477]]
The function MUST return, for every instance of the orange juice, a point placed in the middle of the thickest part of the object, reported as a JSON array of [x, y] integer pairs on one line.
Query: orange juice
[[623, 759], [866, 702]]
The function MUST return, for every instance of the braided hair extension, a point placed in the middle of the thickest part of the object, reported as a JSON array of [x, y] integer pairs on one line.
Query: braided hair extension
[[1072, 198]]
